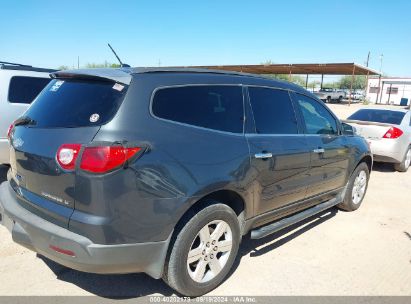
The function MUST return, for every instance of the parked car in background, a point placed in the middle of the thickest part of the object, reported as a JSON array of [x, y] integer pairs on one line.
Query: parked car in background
[[164, 170], [19, 86], [388, 132], [356, 95], [328, 95]]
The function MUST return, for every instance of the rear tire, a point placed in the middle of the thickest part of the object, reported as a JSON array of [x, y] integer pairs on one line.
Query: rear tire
[[406, 162], [356, 189], [340, 99], [204, 250], [328, 100]]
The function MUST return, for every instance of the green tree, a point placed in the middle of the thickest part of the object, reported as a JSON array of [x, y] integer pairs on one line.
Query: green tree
[[294, 78], [332, 85], [358, 82], [63, 67], [106, 64]]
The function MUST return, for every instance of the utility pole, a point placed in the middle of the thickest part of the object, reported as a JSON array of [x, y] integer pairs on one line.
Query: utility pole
[[368, 74], [78, 62], [159, 62], [381, 58], [368, 59]]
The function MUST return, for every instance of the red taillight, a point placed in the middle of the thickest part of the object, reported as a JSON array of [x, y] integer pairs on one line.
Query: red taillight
[[106, 158], [393, 132], [67, 155], [10, 129]]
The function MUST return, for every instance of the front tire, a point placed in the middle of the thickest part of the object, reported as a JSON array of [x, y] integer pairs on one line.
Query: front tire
[[406, 162], [204, 250], [356, 189]]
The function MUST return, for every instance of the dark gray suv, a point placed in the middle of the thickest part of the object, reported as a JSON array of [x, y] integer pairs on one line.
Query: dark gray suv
[[163, 171]]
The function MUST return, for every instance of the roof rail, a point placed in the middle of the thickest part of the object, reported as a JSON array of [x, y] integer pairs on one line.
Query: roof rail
[[23, 67], [12, 63]]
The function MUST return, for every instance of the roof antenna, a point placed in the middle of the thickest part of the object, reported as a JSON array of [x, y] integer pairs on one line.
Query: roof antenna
[[123, 65]]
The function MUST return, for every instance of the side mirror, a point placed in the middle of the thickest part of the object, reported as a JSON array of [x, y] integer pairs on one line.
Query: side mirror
[[348, 129]]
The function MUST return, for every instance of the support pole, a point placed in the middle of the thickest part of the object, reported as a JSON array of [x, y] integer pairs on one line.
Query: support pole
[[382, 91], [289, 76], [352, 81], [389, 94], [306, 82], [322, 80], [379, 89], [366, 81]]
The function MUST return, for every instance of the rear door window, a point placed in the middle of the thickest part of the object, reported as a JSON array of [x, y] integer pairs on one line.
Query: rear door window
[[212, 107], [273, 111], [76, 103], [24, 90], [318, 120]]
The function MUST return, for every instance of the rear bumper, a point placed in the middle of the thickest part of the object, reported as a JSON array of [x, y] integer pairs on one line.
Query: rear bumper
[[37, 234], [386, 150], [4, 151]]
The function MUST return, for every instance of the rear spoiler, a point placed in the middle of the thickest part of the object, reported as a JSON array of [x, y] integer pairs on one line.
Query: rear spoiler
[[117, 75], [368, 123]]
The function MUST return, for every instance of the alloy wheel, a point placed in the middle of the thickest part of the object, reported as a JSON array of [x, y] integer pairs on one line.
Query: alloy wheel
[[360, 184], [408, 158], [209, 251]]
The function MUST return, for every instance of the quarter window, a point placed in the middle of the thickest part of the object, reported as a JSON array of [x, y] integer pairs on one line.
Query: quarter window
[[212, 107], [25, 89], [318, 120], [273, 111]]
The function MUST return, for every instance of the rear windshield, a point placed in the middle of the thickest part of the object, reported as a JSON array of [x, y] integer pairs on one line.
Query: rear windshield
[[383, 116], [76, 103]]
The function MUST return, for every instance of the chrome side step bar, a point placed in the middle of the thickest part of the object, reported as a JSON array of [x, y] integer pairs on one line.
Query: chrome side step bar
[[298, 217]]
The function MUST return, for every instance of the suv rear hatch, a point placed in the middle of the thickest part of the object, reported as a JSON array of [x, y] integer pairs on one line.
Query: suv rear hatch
[[69, 110]]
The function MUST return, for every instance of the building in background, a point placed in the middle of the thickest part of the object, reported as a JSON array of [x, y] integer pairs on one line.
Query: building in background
[[389, 90]]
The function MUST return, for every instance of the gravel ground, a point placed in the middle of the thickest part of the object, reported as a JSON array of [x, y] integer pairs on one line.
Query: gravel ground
[[367, 252]]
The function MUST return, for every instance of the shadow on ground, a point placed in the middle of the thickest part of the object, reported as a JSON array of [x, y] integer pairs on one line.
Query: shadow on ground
[[383, 167], [3, 173], [123, 286], [138, 285]]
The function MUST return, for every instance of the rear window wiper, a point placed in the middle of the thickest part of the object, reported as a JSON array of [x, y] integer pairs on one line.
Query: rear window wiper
[[25, 121]]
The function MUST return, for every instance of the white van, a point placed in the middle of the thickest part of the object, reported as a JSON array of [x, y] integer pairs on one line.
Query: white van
[[19, 86]]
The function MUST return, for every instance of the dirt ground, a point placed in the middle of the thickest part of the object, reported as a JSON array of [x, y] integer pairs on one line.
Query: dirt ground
[[367, 252]]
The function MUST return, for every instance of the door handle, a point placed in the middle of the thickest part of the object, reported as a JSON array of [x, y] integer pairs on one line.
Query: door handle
[[263, 155], [319, 150]]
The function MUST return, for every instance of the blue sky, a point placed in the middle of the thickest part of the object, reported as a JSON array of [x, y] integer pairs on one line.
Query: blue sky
[[53, 33]]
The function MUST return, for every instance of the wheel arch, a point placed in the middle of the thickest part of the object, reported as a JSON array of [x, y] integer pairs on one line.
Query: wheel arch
[[365, 159], [228, 197]]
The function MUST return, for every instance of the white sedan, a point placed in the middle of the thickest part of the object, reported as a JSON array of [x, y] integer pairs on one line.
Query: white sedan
[[388, 131]]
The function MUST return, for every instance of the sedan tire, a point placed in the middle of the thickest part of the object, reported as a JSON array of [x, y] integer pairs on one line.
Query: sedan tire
[[406, 162]]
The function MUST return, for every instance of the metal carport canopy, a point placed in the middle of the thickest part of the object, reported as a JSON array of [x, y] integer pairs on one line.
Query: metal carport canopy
[[299, 68]]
